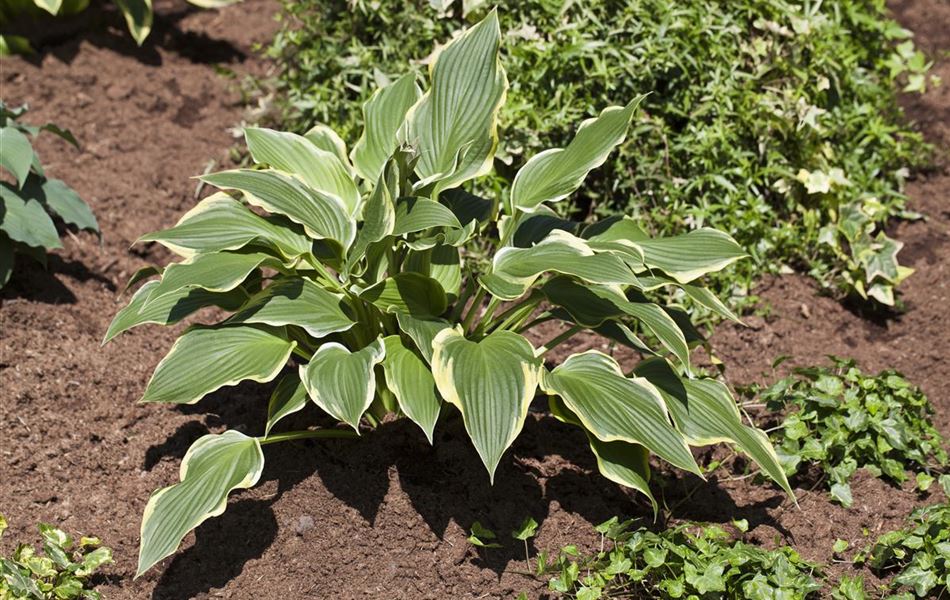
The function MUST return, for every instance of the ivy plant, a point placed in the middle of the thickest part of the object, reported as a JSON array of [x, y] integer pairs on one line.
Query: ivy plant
[[353, 269], [138, 16], [686, 561], [61, 571], [776, 122], [30, 205], [918, 556], [842, 419]]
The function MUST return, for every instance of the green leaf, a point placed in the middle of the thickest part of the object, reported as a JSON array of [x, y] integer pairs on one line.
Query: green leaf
[[67, 204], [525, 531], [215, 465], [379, 216], [411, 381], [297, 301], [409, 292], [442, 263], [326, 139], [14, 44], [322, 215], [841, 493], [704, 410], [295, 154], [25, 220], [557, 173], [422, 331], [6, 259], [219, 222], [686, 257], [454, 124], [169, 308], [491, 382], [16, 153], [289, 396], [341, 382], [481, 536], [138, 17], [706, 298], [203, 360], [50, 6], [615, 408], [560, 252], [217, 272], [417, 214], [383, 114]]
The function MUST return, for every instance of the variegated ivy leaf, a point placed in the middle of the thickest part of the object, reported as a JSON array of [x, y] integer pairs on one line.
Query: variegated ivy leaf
[[454, 124], [557, 173], [214, 466], [491, 382], [410, 380], [341, 382]]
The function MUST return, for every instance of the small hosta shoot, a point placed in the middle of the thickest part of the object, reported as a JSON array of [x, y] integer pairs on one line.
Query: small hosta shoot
[[352, 269], [30, 205], [59, 571], [843, 420]]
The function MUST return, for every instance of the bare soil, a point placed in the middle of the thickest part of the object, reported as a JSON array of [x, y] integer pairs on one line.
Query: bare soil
[[385, 516]]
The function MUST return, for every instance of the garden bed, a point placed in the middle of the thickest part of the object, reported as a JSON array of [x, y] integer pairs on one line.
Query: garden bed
[[385, 516]]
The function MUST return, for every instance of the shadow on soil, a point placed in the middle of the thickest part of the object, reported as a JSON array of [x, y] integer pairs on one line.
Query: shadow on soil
[[30, 281], [549, 464]]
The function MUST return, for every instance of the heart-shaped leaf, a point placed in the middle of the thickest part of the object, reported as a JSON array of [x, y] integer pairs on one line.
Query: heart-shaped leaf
[[341, 382]]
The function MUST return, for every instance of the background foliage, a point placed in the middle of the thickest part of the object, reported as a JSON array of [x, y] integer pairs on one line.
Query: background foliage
[[774, 122]]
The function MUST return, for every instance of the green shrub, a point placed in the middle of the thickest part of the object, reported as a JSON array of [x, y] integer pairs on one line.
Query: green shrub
[[918, 556], [60, 572], [360, 275], [843, 420], [686, 561], [775, 122], [28, 206]]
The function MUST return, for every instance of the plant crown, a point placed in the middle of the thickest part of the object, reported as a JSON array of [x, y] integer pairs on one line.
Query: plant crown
[[356, 275]]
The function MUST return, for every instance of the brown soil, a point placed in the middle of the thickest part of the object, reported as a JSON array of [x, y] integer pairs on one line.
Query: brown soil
[[384, 517]]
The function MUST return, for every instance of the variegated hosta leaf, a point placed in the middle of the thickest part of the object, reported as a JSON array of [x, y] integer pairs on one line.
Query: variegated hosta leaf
[[50, 6], [341, 382], [593, 305], [705, 298], [417, 214], [620, 462], [422, 331], [217, 272], [454, 124], [289, 396], [325, 138], [557, 173], [322, 215], [138, 17], [383, 115], [295, 154], [560, 252], [206, 359], [442, 263], [25, 220], [219, 222], [297, 301], [491, 382], [379, 216], [408, 377], [538, 225], [692, 255], [409, 292], [214, 466], [706, 413], [616, 408], [169, 308]]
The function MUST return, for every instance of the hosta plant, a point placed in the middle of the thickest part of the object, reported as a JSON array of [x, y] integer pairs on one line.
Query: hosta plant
[[353, 268], [138, 16], [30, 204], [60, 571]]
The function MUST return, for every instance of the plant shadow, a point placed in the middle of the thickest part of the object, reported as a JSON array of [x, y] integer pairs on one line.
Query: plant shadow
[[31, 281]]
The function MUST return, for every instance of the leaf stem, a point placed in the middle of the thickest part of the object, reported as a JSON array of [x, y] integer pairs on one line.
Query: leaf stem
[[473, 308], [559, 339], [306, 434]]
